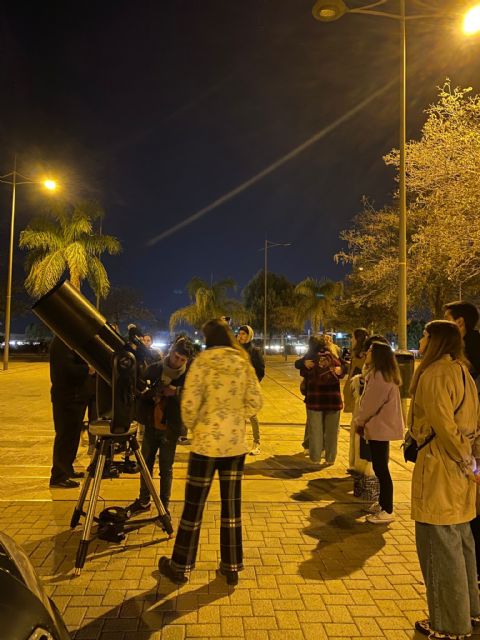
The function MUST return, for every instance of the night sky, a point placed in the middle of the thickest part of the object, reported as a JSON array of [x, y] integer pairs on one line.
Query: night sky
[[158, 108]]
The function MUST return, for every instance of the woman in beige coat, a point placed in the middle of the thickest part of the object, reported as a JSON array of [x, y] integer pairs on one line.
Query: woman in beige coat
[[443, 418]]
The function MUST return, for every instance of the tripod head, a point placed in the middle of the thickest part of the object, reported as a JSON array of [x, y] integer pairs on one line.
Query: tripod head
[[83, 328]]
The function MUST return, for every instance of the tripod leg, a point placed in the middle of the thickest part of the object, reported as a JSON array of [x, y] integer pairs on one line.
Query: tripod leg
[[163, 515], [83, 546], [78, 511]]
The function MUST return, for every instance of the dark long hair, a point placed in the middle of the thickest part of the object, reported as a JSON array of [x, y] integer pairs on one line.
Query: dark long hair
[[444, 338], [383, 360], [218, 334], [360, 334]]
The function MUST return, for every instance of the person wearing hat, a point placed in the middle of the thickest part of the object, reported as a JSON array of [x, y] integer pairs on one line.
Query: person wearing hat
[[245, 337]]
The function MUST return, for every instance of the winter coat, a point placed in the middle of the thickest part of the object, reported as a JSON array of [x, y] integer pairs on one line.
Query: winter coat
[[68, 375], [356, 365], [146, 404], [380, 410], [256, 358], [322, 384], [221, 392], [443, 491]]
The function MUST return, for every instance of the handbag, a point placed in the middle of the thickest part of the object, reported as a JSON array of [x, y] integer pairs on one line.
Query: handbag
[[410, 446], [365, 451]]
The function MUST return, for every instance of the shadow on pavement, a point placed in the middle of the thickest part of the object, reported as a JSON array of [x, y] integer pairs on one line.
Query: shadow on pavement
[[153, 610], [344, 542], [331, 489], [282, 467]]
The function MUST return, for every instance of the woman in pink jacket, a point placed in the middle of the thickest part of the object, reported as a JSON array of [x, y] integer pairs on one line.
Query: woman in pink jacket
[[380, 420]]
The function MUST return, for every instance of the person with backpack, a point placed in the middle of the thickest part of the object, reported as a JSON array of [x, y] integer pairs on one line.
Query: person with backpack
[[321, 372]]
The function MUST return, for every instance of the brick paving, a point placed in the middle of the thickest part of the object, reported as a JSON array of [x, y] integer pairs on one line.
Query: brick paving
[[314, 568]]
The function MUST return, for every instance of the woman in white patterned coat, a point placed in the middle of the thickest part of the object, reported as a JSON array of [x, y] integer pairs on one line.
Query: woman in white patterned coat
[[221, 392]]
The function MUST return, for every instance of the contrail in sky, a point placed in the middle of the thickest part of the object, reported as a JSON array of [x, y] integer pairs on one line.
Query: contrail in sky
[[272, 167]]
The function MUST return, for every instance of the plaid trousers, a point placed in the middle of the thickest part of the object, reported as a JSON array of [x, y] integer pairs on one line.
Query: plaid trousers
[[201, 470]]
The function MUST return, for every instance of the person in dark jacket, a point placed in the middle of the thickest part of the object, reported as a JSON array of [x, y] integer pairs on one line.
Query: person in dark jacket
[[245, 337], [321, 371], [159, 411], [69, 375], [465, 315]]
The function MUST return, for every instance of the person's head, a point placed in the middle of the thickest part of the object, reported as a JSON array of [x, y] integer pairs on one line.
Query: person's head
[[245, 334], [358, 340], [147, 340], [180, 352], [375, 338], [464, 314], [218, 334], [380, 357], [440, 338]]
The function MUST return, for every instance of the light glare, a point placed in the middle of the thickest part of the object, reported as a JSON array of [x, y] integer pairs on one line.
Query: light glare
[[51, 185], [471, 22]]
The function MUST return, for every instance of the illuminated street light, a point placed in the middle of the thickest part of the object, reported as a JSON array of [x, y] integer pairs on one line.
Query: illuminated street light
[[471, 22], [329, 10], [15, 178], [268, 245]]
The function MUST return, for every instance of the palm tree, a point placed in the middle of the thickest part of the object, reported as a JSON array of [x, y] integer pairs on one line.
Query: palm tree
[[208, 301], [65, 242], [315, 301]]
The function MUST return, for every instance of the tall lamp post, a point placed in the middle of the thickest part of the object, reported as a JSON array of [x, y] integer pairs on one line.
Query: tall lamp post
[[328, 11], [15, 178], [268, 245]]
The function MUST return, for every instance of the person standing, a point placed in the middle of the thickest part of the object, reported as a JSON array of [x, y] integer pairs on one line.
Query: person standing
[[245, 338], [321, 372], [221, 392], [355, 367], [69, 375], [443, 419], [159, 410], [379, 420]]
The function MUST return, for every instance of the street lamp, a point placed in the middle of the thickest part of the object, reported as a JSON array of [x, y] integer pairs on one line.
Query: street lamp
[[268, 245], [327, 11], [13, 179]]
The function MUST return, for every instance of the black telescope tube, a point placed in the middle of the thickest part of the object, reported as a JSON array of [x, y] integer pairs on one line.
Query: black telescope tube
[[80, 325]]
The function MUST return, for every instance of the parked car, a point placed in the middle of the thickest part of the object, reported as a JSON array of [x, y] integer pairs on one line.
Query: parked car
[[26, 612]]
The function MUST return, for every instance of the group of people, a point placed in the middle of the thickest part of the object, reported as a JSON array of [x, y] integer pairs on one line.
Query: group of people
[[217, 392]]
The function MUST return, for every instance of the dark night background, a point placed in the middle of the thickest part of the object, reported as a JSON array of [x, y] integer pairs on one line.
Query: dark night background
[[157, 108]]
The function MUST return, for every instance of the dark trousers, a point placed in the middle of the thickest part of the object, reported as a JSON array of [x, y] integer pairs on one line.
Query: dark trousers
[[68, 421], [201, 470], [162, 441], [380, 453]]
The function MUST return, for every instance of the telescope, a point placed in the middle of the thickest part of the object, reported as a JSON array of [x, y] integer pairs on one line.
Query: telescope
[[71, 317]]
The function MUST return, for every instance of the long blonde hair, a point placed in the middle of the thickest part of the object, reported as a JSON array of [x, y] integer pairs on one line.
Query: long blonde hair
[[444, 338], [218, 334]]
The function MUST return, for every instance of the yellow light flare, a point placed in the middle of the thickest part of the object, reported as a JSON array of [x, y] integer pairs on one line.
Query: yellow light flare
[[51, 185], [471, 22]]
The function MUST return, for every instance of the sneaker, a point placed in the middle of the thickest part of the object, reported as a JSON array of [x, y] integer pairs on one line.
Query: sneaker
[[64, 484], [138, 507], [381, 517], [256, 449], [373, 508], [183, 440], [306, 452], [166, 570]]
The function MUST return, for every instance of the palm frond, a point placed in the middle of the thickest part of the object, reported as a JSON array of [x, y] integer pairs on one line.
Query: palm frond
[[97, 277], [185, 315], [47, 239], [194, 284], [98, 244], [45, 273], [76, 259]]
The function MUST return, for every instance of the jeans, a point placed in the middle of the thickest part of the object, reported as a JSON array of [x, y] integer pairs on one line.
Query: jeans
[[447, 559], [380, 451], [323, 434], [162, 441]]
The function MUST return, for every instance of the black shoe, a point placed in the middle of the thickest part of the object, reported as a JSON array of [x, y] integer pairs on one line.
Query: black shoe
[[230, 576], [130, 466], [138, 507], [64, 484], [423, 627], [77, 474], [166, 570]]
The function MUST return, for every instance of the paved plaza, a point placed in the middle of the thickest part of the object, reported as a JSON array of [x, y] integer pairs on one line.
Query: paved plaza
[[314, 568]]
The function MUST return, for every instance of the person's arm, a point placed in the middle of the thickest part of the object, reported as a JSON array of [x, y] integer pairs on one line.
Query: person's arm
[[375, 395], [300, 363], [193, 393], [258, 364], [439, 409]]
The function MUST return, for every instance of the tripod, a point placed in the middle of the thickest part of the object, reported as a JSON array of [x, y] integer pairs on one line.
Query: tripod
[[101, 429]]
